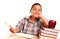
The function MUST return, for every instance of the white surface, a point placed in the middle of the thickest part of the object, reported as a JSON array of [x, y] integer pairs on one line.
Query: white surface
[[58, 36], [24, 35]]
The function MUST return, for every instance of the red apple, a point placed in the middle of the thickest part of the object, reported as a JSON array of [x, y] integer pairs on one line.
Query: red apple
[[52, 23]]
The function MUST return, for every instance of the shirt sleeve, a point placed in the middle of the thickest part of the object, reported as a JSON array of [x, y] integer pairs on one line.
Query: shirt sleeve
[[20, 25], [41, 24]]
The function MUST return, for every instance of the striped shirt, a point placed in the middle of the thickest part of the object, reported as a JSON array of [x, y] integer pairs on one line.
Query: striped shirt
[[28, 27]]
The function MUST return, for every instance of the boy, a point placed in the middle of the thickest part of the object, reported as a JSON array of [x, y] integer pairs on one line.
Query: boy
[[32, 24]]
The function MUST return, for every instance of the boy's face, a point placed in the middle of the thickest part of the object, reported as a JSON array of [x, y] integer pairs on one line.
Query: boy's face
[[36, 11]]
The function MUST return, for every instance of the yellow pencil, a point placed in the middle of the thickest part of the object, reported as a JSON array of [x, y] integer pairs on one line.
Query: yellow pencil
[[7, 24]]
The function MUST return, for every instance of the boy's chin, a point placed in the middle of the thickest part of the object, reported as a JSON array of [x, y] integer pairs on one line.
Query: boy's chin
[[37, 17]]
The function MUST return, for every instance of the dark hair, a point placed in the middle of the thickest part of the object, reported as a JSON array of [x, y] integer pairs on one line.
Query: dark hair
[[36, 4]]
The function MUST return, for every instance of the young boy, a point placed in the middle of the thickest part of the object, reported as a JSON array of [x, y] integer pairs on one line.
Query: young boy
[[33, 23]]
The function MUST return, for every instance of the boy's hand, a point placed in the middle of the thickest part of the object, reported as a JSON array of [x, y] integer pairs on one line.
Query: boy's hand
[[41, 15], [10, 27]]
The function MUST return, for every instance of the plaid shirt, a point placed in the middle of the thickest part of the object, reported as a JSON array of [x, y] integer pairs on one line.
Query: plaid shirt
[[27, 27]]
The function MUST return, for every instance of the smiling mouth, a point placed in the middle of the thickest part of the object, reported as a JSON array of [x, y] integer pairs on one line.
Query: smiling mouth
[[36, 14]]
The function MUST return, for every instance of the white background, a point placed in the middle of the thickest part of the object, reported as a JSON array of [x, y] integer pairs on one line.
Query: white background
[[11, 11]]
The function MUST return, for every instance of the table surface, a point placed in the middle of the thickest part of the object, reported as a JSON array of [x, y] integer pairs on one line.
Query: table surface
[[47, 30]]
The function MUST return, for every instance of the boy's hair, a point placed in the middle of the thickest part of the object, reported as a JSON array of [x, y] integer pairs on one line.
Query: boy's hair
[[36, 4]]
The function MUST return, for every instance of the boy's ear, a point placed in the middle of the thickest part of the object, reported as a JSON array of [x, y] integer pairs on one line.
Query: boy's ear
[[30, 11]]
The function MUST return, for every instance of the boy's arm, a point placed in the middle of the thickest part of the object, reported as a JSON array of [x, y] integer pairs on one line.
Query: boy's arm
[[11, 28], [44, 20]]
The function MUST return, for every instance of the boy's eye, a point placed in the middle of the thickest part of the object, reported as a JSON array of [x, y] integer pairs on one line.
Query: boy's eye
[[34, 9], [39, 10]]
